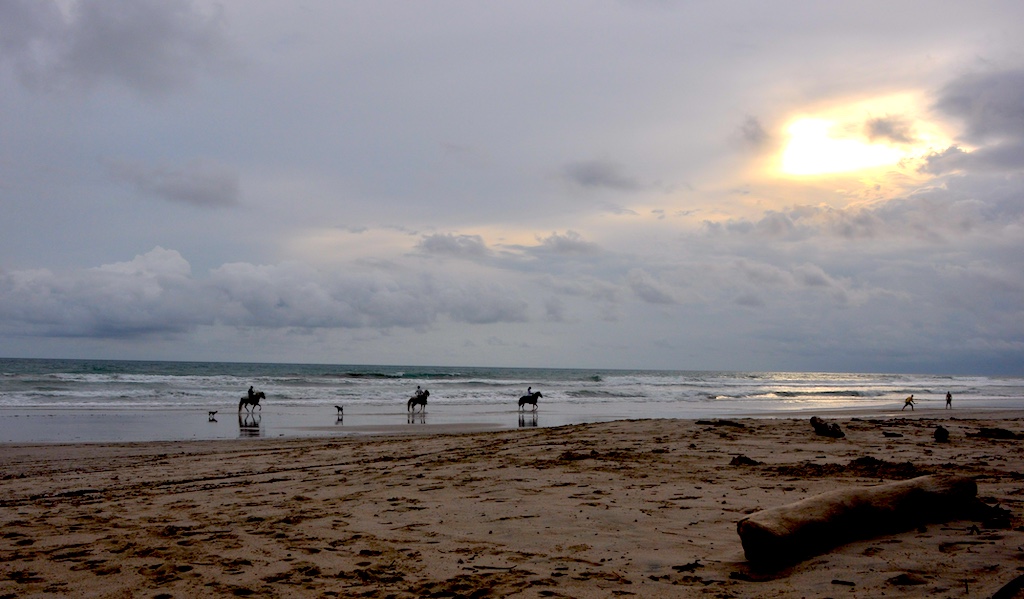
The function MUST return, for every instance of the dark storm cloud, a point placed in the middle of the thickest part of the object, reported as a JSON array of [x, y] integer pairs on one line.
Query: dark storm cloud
[[892, 129], [196, 183], [554, 309], [752, 133], [28, 30], [23, 23], [991, 105], [649, 289], [946, 161], [749, 300], [477, 303], [151, 46], [600, 174], [998, 157]]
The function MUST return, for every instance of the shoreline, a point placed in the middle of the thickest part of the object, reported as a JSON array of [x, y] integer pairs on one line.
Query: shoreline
[[104, 425], [628, 508]]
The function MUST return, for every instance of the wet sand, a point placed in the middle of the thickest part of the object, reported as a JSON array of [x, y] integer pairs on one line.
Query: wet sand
[[644, 508]]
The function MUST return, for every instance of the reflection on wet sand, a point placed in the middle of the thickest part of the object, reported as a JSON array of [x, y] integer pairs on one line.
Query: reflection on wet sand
[[417, 418], [527, 419], [249, 425]]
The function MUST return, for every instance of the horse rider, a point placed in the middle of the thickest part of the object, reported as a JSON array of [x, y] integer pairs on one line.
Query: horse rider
[[252, 393]]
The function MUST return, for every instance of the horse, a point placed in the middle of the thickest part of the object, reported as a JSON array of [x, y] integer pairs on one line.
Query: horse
[[420, 399], [253, 401], [529, 399]]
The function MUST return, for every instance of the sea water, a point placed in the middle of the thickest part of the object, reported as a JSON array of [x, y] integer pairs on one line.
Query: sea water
[[103, 400]]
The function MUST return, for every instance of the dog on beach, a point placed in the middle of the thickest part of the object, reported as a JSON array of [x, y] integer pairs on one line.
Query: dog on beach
[[213, 416], [341, 410]]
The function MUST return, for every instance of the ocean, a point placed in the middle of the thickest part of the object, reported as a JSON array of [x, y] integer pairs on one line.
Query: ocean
[[58, 401]]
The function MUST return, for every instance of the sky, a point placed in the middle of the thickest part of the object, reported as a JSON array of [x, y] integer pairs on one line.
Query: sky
[[700, 185]]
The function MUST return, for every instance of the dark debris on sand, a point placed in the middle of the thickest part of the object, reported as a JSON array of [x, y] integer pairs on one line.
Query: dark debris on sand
[[867, 466]]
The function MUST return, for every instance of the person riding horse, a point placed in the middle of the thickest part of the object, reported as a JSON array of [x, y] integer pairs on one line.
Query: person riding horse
[[530, 398], [418, 399], [252, 400]]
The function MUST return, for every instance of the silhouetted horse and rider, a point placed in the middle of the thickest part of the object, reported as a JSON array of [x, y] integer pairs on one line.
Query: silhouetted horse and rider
[[530, 398], [418, 399], [252, 401]]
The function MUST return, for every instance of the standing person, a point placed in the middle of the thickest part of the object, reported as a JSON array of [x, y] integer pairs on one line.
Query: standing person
[[949, 400], [908, 402]]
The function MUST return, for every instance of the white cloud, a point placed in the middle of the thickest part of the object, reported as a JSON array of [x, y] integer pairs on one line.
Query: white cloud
[[152, 294], [155, 293]]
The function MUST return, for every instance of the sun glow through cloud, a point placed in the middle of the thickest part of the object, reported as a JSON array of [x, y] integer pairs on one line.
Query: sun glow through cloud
[[869, 134], [814, 149]]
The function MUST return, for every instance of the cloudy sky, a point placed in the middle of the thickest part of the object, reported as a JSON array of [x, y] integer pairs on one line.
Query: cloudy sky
[[715, 185]]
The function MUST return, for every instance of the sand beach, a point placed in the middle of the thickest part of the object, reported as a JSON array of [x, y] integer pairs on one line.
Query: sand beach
[[630, 508]]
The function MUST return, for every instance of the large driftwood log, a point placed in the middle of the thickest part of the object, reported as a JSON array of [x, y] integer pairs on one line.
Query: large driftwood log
[[789, 533], [826, 429]]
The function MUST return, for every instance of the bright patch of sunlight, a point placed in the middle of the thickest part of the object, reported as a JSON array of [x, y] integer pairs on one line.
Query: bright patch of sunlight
[[813, 149], [862, 135]]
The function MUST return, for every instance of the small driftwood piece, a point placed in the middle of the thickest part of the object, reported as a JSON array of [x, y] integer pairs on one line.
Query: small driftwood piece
[[827, 429], [721, 423], [792, 532], [742, 460]]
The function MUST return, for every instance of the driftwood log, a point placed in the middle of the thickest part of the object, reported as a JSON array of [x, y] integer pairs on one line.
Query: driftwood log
[[792, 532], [995, 433], [826, 429]]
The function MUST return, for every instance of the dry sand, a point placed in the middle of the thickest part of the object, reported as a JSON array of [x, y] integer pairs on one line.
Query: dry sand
[[632, 508]]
